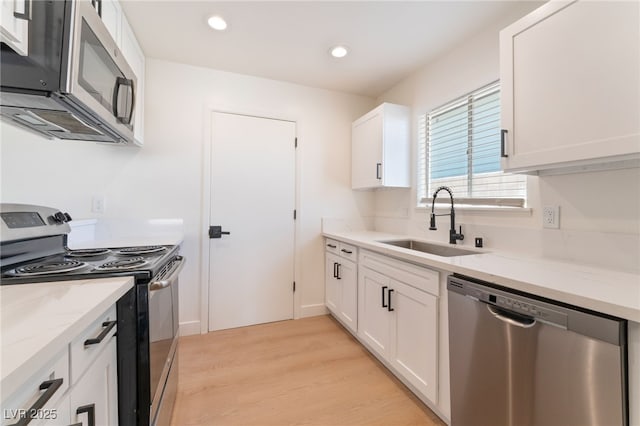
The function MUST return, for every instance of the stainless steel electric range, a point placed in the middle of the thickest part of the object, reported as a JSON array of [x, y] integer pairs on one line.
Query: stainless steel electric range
[[33, 247]]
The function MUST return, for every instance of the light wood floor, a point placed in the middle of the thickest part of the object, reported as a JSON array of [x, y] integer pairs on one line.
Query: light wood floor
[[302, 372]]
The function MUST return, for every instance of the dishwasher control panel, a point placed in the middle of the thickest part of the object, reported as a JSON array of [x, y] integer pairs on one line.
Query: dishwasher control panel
[[520, 305], [526, 308]]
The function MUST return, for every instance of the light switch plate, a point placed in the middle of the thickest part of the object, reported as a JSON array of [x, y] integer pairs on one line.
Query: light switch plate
[[551, 217], [98, 204]]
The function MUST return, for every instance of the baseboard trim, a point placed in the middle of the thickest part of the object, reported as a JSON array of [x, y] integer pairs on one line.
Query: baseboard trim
[[189, 328], [313, 310]]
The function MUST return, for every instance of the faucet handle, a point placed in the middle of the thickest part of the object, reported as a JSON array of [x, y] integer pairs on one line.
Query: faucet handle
[[432, 223], [461, 235]]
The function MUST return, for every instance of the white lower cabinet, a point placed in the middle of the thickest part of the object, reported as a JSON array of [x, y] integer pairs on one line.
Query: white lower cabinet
[[398, 319], [414, 337], [331, 294], [14, 24], [78, 386], [59, 415], [375, 318], [41, 395], [94, 398], [341, 283], [94, 388]]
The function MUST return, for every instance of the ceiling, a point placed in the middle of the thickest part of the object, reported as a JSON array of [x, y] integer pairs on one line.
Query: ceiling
[[290, 40]]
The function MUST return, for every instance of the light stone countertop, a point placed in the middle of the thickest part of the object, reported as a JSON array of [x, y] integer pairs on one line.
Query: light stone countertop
[[110, 233], [602, 290], [38, 320]]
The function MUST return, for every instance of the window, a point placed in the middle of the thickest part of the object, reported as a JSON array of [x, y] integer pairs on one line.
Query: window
[[459, 147]]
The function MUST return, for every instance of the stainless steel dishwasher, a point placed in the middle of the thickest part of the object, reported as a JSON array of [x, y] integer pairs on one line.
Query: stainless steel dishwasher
[[520, 360]]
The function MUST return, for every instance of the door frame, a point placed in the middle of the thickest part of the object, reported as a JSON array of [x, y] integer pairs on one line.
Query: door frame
[[206, 207]]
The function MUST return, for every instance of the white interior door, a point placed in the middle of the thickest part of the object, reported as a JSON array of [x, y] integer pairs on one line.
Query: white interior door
[[251, 270]]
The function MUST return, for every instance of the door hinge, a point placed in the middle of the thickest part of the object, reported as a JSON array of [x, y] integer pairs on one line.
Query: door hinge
[[295, 214], [294, 286], [295, 143]]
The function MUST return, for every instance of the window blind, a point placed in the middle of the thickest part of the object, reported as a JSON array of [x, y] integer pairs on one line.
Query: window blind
[[459, 147]]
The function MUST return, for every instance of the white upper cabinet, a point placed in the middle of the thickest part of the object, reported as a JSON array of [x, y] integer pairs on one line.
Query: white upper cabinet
[[135, 58], [380, 148], [14, 24], [112, 16], [570, 77], [119, 28]]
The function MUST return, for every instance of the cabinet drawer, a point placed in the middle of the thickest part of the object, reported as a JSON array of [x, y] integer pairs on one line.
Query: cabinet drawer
[[49, 384], [332, 246], [87, 346], [348, 252], [416, 276]]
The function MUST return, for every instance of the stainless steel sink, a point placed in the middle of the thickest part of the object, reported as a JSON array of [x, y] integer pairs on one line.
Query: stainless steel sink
[[445, 251]]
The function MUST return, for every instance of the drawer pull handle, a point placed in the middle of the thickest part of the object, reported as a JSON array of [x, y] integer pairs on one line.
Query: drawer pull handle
[[108, 326], [332, 246], [50, 387], [347, 251], [26, 15], [90, 409]]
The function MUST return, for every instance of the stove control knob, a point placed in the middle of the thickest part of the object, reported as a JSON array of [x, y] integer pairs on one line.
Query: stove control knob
[[58, 217], [67, 217]]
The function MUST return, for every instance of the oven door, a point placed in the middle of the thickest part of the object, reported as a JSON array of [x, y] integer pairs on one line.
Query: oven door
[[99, 76], [163, 334]]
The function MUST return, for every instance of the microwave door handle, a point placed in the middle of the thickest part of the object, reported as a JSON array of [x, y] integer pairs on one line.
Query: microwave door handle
[[124, 118], [132, 104]]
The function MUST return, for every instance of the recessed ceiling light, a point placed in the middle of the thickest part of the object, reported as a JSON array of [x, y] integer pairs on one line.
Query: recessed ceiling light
[[217, 23], [339, 51]]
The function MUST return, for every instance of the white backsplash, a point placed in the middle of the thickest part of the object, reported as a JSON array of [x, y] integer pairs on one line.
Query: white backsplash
[[618, 251], [93, 233]]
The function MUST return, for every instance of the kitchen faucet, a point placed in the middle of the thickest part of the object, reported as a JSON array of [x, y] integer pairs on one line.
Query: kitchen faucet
[[453, 235]]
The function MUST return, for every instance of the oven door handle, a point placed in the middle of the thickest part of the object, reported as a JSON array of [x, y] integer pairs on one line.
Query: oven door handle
[[159, 285]]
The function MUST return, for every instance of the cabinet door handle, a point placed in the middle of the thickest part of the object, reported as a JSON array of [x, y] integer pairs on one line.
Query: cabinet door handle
[[49, 387], [383, 289], [90, 409], [503, 143], [335, 267], [338, 271], [26, 15], [346, 251], [97, 5], [108, 326], [390, 309], [378, 170]]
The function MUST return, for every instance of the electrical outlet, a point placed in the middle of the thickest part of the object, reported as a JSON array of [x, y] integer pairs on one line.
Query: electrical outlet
[[98, 204], [551, 217]]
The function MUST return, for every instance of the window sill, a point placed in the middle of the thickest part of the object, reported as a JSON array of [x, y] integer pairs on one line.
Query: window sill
[[467, 208]]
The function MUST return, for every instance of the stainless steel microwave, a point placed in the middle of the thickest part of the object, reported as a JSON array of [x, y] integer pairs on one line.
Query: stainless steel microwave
[[74, 83]]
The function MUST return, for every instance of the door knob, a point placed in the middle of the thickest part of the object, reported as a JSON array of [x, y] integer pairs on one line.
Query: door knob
[[217, 232]]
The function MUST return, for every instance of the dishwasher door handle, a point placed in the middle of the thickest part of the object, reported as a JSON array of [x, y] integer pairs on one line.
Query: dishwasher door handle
[[523, 322]]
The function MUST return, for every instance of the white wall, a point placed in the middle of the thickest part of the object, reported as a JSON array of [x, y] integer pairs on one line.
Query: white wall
[[600, 211], [165, 177]]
